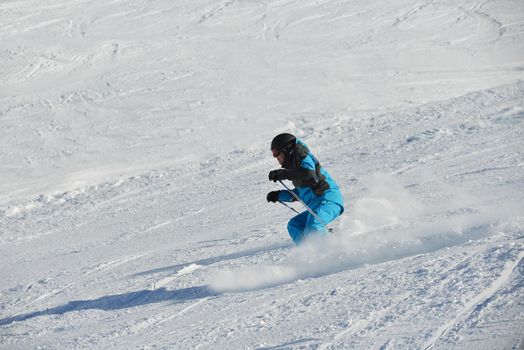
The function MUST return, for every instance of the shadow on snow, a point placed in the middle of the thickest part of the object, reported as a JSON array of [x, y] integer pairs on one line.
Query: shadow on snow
[[144, 297], [119, 301]]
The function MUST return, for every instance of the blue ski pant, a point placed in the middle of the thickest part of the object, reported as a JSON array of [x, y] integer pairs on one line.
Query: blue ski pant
[[305, 224]]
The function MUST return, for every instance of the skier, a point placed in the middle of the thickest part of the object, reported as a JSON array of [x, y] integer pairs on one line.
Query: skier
[[313, 185]]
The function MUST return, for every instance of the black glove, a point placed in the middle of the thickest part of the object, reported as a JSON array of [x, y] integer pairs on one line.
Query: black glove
[[272, 196], [276, 175]]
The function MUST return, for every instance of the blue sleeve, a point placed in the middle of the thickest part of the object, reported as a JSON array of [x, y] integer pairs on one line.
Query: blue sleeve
[[285, 196], [308, 163]]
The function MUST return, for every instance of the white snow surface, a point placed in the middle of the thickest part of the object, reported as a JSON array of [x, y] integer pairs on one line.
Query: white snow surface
[[134, 155]]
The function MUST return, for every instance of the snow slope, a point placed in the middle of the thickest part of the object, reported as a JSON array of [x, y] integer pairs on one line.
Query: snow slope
[[134, 148]]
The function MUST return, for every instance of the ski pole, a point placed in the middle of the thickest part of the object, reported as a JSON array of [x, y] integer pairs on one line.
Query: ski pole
[[305, 205], [287, 206]]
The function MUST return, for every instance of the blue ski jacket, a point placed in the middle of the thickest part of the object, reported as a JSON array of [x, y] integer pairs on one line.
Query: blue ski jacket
[[313, 184]]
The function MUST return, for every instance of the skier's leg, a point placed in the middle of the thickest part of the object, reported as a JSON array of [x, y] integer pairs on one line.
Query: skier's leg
[[327, 211], [296, 226]]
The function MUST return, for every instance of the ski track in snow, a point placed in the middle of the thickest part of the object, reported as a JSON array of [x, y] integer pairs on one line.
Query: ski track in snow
[[133, 142], [475, 305]]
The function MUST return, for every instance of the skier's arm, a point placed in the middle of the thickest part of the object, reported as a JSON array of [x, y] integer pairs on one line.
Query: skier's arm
[[285, 196], [300, 174], [306, 171]]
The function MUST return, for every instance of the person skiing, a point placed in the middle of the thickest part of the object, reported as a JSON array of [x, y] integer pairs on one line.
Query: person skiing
[[313, 185]]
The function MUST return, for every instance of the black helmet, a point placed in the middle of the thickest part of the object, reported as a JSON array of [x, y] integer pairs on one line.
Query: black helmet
[[283, 141]]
